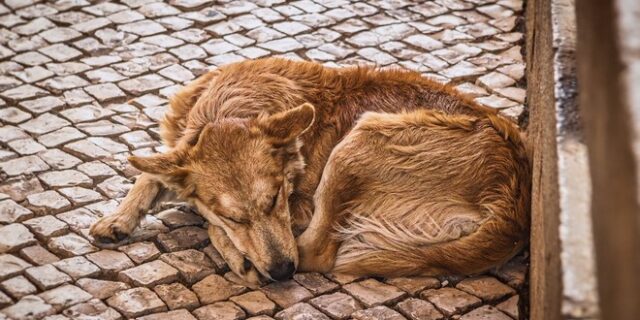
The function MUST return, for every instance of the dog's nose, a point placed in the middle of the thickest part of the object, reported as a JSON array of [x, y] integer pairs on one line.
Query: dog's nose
[[282, 271]]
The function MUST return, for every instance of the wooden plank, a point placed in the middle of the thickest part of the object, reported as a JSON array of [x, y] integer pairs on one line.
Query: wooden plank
[[545, 282]]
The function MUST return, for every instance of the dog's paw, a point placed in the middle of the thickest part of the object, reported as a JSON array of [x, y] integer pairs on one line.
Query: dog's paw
[[251, 279], [110, 230], [246, 271]]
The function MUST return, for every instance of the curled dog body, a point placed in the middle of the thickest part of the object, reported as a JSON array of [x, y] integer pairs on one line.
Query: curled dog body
[[385, 172]]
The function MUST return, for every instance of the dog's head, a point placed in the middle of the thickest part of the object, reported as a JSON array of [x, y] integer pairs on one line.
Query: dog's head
[[239, 173]]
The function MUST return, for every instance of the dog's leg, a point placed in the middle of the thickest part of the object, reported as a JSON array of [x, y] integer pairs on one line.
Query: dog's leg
[[117, 226], [317, 246], [234, 258]]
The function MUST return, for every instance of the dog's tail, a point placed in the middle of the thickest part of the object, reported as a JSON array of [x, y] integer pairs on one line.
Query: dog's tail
[[462, 245]]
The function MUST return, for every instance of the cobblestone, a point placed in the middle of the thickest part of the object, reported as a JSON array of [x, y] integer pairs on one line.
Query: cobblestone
[[83, 85], [177, 296], [149, 274], [46, 276], [38, 255], [77, 267], [136, 302]]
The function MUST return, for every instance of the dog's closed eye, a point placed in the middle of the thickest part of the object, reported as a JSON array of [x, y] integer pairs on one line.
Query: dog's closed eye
[[274, 200], [233, 220]]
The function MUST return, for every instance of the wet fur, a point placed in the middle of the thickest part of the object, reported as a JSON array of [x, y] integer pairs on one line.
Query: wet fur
[[398, 175]]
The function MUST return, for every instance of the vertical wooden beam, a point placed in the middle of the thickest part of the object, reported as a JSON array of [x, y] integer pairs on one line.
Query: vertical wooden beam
[[612, 126], [545, 281]]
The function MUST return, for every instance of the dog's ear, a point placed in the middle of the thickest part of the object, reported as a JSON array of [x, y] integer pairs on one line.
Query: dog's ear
[[169, 167], [285, 126]]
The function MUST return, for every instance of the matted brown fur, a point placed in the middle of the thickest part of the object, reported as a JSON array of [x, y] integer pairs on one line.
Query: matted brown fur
[[416, 178]]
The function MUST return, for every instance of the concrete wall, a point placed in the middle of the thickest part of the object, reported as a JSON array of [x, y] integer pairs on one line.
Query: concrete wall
[[609, 74]]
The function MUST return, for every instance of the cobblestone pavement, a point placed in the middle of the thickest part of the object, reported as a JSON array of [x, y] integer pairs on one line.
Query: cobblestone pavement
[[82, 85]]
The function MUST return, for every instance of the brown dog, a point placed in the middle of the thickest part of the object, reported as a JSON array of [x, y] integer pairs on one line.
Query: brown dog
[[389, 173]]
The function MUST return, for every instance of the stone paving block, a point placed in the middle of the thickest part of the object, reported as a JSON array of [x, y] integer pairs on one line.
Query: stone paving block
[[96, 169], [337, 305], [44, 104], [77, 267], [19, 188], [513, 273], [315, 283], [286, 293], [219, 310], [11, 212], [46, 276], [101, 289], [8, 133], [114, 187], [193, 265], [141, 252], [13, 115], [15, 236], [25, 146], [175, 218], [177, 296], [413, 285], [416, 309], [11, 265], [111, 262], [215, 288], [29, 307], [485, 312], [294, 311], [144, 84], [372, 292], [60, 136], [102, 128], [65, 296], [171, 315], [342, 278], [510, 307], [485, 288], [48, 201], [92, 309], [450, 301], [78, 219], [5, 300], [31, 59], [375, 313], [105, 92], [46, 226], [23, 165], [18, 287], [80, 196], [70, 245], [149, 274], [38, 255], [255, 303], [58, 159], [184, 238], [136, 302]]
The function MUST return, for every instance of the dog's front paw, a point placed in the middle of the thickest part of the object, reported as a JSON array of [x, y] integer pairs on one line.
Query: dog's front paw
[[313, 258], [111, 230], [251, 279]]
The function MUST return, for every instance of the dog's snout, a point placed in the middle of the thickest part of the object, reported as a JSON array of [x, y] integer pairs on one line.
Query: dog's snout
[[283, 270]]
